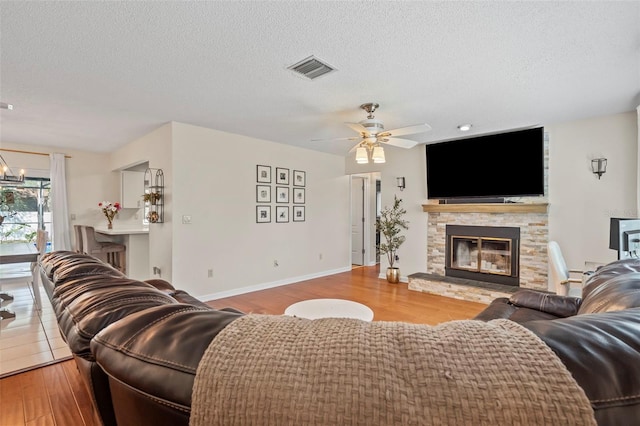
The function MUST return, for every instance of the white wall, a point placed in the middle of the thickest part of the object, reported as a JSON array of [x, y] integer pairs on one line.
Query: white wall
[[409, 163], [580, 205], [156, 149], [214, 182], [211, 176]]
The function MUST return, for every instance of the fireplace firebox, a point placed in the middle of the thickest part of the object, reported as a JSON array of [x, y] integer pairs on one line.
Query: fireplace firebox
[[483, 253]]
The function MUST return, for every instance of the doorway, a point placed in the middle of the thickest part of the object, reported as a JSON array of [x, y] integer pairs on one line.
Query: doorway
[[357, 221], [365, 208]]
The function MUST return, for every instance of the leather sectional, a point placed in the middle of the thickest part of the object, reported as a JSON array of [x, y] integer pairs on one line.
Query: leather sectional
[[138, 344]]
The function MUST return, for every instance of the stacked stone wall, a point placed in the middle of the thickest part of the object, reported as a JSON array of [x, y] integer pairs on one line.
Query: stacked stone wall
[[534, 235]]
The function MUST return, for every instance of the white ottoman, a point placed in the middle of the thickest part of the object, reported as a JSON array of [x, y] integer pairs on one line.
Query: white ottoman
[[329, 308]]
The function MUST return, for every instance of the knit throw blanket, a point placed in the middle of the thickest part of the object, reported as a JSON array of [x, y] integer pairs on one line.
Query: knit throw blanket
[[281, 370]]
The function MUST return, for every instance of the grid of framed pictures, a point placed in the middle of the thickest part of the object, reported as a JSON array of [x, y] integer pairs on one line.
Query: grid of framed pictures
[[290, 187]]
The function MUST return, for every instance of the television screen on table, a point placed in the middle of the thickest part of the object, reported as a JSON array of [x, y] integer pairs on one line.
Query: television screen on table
[[508, 164]]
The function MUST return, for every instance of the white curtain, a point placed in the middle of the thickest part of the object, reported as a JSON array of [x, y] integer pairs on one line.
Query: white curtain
[[638, 179], [59, 208]]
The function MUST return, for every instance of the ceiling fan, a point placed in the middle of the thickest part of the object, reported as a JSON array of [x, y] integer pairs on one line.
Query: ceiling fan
[[373, 135]]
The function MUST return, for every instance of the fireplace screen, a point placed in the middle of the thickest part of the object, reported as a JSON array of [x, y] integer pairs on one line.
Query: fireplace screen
[[481, 254]]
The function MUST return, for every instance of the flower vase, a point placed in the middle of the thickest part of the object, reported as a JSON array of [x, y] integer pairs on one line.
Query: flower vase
[[110, 225]]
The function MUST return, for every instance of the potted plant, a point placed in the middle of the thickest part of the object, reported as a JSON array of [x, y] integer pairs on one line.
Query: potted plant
[[152, 197], [390, 224]]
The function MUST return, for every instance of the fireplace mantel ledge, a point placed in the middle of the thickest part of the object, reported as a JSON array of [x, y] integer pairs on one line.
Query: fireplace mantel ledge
[[486, 208]]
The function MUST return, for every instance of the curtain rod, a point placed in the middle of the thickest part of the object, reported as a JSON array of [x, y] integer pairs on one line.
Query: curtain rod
[[28, 152]]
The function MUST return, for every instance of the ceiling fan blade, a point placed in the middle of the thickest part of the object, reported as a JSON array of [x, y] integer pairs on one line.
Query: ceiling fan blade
[[409, 130], [352, 138], [358, 128], [401, 143]]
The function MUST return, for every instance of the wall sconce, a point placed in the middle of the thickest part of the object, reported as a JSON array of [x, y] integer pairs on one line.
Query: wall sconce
[[599, 166], [400, 181]]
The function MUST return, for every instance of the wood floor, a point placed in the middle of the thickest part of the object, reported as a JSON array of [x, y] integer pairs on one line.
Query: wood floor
[[55, 395]]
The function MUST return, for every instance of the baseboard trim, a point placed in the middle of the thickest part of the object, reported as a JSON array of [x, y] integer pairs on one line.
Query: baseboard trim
[[272, 284]]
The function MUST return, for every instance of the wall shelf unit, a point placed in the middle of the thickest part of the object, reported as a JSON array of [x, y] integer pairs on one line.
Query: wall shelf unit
[[154, 196]]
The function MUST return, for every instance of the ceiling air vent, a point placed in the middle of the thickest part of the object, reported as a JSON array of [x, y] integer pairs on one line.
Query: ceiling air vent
[[311, 68]]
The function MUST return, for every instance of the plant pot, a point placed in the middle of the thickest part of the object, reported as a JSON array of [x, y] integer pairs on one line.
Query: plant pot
[[393, 275]]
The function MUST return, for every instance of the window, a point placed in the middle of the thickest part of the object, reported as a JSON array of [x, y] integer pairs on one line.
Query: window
[[25, 208]]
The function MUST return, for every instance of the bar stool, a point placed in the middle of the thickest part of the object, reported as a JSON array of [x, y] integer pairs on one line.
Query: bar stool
[[78, 231], [109, 252]]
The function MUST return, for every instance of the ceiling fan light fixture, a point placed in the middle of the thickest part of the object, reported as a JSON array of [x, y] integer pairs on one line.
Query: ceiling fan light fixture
[[378, 155], [6, 177], [465, 127], [361, 155]]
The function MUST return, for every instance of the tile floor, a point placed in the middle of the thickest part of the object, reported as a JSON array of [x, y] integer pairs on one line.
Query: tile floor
[[31, 339]]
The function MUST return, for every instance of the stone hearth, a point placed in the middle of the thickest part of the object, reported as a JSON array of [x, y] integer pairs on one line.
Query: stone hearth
[[460, 288]]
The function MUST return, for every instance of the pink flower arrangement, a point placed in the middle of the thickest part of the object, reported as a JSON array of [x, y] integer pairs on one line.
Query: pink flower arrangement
[[109, 209]]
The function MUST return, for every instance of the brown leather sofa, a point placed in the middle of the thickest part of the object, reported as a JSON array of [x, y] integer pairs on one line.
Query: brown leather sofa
[[130, 385], [596, 336], [138, 344]]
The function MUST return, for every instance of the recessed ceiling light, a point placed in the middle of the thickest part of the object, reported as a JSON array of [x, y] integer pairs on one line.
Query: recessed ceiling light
[[464, 127]]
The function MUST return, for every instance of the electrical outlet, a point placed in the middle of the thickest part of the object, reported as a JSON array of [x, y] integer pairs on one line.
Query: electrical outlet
[[210, 273], [275, 264], [186, 219], [73, 216]]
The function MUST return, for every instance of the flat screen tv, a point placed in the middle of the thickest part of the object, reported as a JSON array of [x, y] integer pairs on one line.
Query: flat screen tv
[[508, 164]]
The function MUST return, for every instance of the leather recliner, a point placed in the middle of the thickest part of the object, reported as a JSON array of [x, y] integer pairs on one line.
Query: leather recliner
[[596, 336], [88, 296]]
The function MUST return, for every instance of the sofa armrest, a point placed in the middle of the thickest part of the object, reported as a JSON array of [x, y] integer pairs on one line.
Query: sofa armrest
[[161, 285], [560, 306], [602, 352]]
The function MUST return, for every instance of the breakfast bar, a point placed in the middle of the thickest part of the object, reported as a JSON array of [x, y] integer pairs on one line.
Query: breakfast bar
[[136, 239]]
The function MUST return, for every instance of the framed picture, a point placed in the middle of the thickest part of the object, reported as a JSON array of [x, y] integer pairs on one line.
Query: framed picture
[[282, 214], [282, 176], [263, 174], [263, 214], [263, 193], [298, 195], [298, 213], [282, 194], [299, 178]]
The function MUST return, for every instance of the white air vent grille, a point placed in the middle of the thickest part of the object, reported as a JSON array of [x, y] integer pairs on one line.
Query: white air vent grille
[[311, 68]]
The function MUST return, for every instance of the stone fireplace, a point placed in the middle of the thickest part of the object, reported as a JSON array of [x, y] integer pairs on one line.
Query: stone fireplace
[[530, 219]]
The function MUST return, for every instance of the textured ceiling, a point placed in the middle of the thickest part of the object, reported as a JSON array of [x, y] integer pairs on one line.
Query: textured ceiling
[[96, 75]]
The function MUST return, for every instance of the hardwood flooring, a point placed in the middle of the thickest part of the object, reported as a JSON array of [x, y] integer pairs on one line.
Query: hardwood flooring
[[55, 395], [389, 302]]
